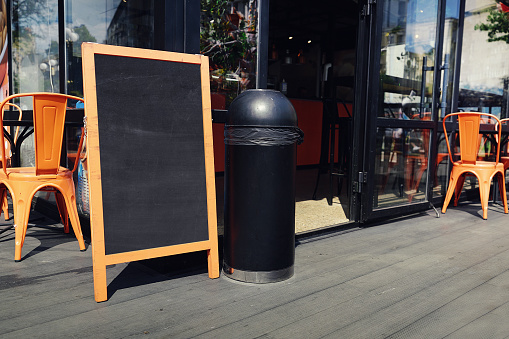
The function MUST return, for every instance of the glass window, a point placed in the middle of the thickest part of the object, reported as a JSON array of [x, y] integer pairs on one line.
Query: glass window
[[228, 37], [35, 52], [401, 166], [451, 26], [113, 22], [484, 79], [35, 57], [407, 54], [35, 61]]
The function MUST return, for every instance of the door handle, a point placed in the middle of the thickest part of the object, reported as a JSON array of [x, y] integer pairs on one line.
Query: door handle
[[445, 85]]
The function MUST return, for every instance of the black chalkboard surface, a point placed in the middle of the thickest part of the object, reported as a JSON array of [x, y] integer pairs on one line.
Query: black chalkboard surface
[[150, 157]]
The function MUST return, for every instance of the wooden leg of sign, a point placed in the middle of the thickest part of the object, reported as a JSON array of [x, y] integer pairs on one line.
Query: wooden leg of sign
[[213, 259], [100, 283], [99, 264]]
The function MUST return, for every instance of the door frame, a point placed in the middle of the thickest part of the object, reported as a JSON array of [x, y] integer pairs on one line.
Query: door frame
[[366, 109]]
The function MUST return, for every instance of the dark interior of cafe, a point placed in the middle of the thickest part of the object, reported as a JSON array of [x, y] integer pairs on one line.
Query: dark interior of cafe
[[304, 40], [312, 51]]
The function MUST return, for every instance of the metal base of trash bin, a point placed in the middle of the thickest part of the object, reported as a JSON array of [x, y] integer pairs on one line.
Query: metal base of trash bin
[[258, 277]]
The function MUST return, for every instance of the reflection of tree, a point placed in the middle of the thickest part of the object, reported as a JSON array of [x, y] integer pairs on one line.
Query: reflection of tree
[[28, 12], [83, 36], [229, 39], [497, 25], [28, 16], [74, 38]]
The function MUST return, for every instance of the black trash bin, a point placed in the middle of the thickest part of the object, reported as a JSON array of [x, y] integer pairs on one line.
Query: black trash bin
[[261, 137]]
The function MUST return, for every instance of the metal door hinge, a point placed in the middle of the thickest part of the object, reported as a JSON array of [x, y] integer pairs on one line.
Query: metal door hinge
[[357, 187], [361, 179]]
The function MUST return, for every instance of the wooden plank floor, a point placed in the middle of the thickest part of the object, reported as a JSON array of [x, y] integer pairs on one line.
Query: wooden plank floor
[[418, 277]]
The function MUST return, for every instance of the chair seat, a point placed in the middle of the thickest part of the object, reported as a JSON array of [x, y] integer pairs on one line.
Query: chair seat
[[479, 164], [28, 173]]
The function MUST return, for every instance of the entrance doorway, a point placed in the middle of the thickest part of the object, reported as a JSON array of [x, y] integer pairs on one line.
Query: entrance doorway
[[410, 76], [312, 56]]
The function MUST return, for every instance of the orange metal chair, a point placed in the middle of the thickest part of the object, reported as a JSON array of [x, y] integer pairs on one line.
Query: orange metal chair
[[488, 153], [469, 123], [23, 182]]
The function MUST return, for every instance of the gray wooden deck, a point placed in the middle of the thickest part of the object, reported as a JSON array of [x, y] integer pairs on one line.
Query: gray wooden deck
[[418, 277]]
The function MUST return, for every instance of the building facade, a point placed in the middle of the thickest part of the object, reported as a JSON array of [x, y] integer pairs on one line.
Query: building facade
[[381, 73]]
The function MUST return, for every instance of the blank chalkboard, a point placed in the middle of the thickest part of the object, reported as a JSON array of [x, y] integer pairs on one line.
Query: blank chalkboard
[[150, 156]]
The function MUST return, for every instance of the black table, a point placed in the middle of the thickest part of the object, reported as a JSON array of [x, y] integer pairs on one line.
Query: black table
[[74, 118]]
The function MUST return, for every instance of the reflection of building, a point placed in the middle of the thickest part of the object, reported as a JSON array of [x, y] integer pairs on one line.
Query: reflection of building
[[132, 25]]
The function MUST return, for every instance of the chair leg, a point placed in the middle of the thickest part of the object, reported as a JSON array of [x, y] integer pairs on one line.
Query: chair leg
[[70, 202], [459, 188], [21, 213], [5, 202], [502, 189], [331, 161], [317, 181], [450, 191], [62, 210], [422, 168], [484, 192], [385, 179], [409, 173]]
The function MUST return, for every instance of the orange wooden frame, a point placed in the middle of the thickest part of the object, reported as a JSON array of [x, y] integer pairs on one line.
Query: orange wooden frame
[[100, 258]]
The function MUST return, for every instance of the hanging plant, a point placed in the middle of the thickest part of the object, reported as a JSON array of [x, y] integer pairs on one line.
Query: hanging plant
[[226, 37]]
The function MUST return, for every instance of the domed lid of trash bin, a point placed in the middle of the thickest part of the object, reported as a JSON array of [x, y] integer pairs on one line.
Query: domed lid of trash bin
[[262, 107]]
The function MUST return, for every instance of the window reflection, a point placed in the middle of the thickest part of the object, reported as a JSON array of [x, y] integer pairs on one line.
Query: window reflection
[[407, 54], [122, 23], [228, 37], [35, 61], [484, 79], [401, 166], [451, 26]]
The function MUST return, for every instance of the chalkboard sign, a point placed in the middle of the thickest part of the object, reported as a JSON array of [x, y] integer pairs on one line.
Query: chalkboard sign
[[150, 156]]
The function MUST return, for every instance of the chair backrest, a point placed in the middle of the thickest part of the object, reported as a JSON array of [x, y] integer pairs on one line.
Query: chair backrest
[[49, 118], [49, 111], [469, 124], [502, 122]]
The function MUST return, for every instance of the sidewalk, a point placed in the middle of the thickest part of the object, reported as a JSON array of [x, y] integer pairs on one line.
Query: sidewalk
[[418, 277]]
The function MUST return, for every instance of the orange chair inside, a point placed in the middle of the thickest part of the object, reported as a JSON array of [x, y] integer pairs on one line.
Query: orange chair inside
[[414, 175], [469, 126], [49, 111], [505, 158], [423, 158]]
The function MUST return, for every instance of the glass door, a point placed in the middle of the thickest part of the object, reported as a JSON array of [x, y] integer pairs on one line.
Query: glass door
[[403, 92]]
